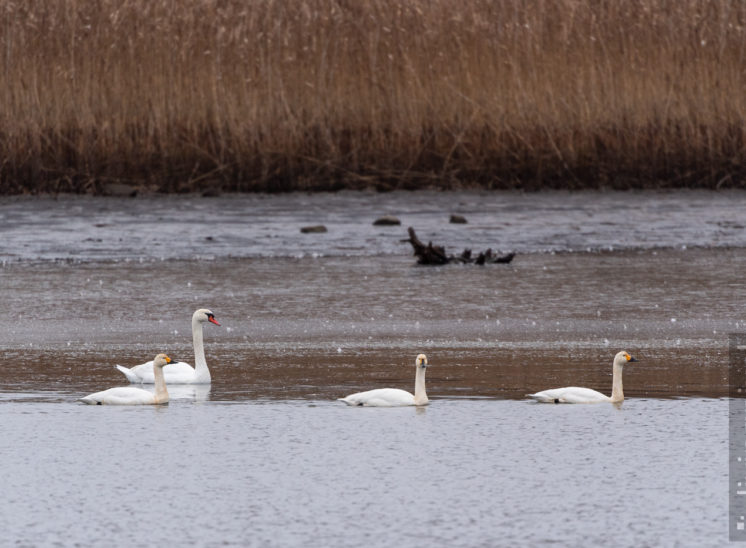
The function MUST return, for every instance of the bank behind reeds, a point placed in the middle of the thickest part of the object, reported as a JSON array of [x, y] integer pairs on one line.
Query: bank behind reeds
[[325, 94]]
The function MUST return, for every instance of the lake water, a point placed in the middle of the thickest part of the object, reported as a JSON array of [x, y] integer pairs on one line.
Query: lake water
[[265, 456], [461, 472]]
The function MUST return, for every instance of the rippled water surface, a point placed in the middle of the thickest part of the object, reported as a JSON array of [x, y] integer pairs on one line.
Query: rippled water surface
[[265, 456], [84, 228], [314, 473]]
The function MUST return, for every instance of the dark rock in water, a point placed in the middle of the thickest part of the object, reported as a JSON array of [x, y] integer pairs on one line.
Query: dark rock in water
[[211, 193], [387, 220], [458, 219], [118, 189], [313, 229]]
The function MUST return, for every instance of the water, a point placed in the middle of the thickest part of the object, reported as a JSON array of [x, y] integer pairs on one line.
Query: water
[[188, 227], [300, 473], [265, 456]]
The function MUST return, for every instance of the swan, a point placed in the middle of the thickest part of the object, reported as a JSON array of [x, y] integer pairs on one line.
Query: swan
[[393, 397], [129, 395], [574, 394], [179, 372]]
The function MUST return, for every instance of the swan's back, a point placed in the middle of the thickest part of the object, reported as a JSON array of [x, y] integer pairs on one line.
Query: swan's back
[[121, 395], [174, 372], [569, 394], [380, 397]]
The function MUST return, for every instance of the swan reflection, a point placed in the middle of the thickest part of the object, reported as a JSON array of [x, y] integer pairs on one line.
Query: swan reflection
[[193, 392]]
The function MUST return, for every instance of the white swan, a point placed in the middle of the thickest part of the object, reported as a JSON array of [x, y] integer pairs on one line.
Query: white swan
[[179, 372], [393, 397], [129, 395], [574, 394]]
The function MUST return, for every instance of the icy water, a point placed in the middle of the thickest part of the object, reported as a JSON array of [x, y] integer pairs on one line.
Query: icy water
[[265, 456]]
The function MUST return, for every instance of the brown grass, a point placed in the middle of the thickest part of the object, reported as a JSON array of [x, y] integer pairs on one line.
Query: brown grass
[[183, 95]]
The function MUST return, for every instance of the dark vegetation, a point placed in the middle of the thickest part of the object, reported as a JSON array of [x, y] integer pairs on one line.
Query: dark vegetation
[[436, 255], [208, 96]]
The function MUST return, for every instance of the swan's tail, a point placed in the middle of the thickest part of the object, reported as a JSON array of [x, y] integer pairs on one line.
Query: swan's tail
[[129, 374], [544, 398]]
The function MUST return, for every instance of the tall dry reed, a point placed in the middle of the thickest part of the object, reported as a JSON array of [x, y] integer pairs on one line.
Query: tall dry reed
[[182, 95]]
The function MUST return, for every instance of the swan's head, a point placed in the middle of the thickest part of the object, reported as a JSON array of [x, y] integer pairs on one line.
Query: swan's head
[[623, 357], [204, 315], [161, 360], [421, 361]]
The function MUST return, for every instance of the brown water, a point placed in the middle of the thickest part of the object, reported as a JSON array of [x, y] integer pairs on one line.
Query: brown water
[[265, 456], [316, 328]]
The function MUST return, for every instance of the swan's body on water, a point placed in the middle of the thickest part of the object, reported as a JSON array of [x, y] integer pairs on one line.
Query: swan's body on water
[[394, 397], [576, 394], [179, 372], [130, 395]]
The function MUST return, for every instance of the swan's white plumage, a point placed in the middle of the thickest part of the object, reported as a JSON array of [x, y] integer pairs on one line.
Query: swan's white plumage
[[394, 397], [176, 373], [576, 394], [570, 394], [121, 395], [129, 395], [179, 372], [381, 397]]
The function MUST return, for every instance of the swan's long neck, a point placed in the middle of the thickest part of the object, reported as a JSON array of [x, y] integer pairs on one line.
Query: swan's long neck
[[617, 389], [420, 396], [161, 393], [200, 364]]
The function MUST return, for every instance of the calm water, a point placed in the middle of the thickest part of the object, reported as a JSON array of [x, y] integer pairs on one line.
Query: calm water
[[186, 227], [314, 473], [265, 456]]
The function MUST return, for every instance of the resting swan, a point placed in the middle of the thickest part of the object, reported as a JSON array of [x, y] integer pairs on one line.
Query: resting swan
[[393, 397], [129, 395], [574, 394], [179, 372]]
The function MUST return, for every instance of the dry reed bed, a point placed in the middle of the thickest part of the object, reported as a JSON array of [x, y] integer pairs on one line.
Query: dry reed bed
[[322, 94]]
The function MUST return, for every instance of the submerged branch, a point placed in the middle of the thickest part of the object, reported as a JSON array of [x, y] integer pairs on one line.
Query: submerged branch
[[436, 255]]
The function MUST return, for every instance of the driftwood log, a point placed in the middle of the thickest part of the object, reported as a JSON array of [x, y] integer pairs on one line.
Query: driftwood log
[[435, 254]]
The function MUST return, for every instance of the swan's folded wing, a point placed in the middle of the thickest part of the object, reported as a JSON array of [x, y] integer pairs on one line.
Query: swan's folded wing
[[575, 394], [121, 395], [380, 397], [174, 373]]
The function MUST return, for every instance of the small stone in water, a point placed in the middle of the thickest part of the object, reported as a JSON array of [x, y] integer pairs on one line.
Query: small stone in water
[[313, 229], [386, 220], [458, 219]]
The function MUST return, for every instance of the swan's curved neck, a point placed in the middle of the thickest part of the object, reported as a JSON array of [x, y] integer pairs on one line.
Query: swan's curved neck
[[420, 396], [161, 393], [200, 364], [617, 389]]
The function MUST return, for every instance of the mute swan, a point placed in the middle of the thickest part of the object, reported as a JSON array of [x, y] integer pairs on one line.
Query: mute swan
[[179, 372], [129, 395], [574, 394], [393, 397]]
